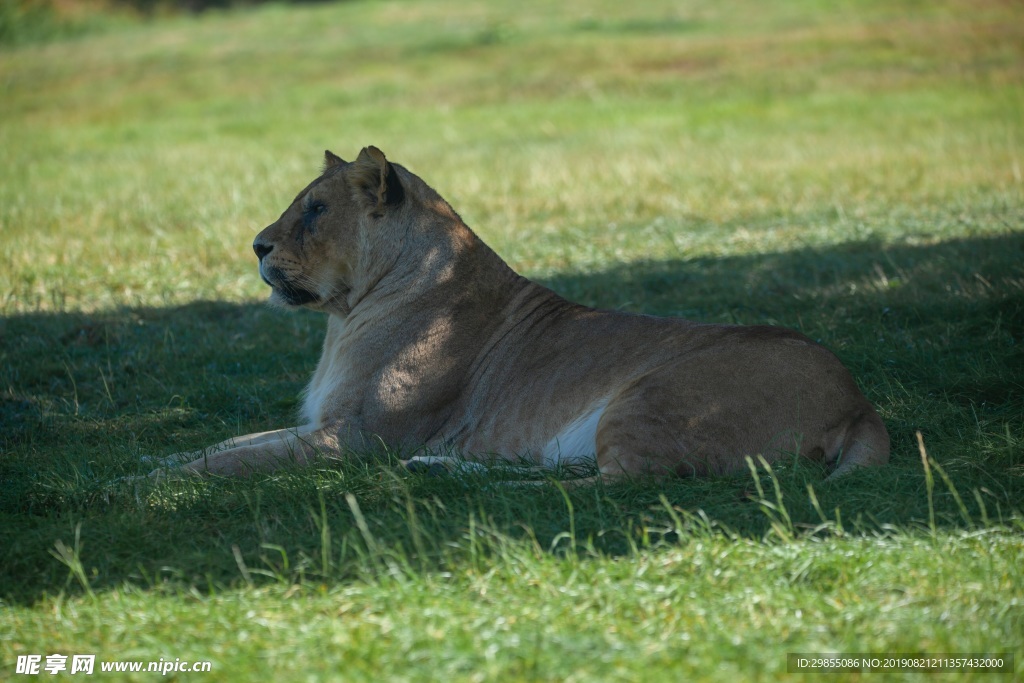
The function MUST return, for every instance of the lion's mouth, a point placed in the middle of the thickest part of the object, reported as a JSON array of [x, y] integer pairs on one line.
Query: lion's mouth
[[293, 295]]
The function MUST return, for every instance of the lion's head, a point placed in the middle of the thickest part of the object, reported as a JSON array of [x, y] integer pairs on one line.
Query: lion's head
[[338, 232]]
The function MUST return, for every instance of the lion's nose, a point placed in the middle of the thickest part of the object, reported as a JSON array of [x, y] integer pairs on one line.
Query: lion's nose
[[262, 249]]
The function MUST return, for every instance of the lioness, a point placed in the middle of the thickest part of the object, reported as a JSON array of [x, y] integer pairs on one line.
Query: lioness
[[434, 343]]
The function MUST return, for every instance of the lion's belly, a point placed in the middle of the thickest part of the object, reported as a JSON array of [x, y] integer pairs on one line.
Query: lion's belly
[[577, 441]]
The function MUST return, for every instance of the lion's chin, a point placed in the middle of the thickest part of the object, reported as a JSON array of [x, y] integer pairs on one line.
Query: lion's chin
[[292, 297]]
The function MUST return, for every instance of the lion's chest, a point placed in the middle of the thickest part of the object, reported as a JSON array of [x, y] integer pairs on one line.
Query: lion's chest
[[331, 373], [316, 400]]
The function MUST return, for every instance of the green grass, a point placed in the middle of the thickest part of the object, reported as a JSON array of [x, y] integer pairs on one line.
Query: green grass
[[852, 170]]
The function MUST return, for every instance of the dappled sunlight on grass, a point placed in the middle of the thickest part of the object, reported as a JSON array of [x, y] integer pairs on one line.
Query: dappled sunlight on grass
[[159, 152], [852, 170]]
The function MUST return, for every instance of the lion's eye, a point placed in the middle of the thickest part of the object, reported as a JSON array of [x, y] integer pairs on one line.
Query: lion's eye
[[311, 213]]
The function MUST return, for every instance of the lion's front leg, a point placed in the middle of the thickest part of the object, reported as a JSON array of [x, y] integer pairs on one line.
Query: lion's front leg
[[185, 457], [242, 460], [264, 451], [258, 438]]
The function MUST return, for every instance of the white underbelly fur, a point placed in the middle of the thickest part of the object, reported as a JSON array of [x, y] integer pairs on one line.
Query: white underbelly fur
[[577, 441]]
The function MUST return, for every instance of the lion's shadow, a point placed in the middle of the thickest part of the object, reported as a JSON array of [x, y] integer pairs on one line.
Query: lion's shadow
[[84, 394]]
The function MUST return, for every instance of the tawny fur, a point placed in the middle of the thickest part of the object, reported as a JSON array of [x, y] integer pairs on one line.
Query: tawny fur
[[434, 342]]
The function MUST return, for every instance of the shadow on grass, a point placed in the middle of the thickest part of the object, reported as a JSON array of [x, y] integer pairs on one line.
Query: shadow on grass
[[932, 332]]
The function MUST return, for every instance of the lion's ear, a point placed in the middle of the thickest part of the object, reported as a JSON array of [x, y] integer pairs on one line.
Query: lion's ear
[[331, 159], [376, 181]]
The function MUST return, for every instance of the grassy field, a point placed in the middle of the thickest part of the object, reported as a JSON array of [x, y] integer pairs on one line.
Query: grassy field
[[854, 170]]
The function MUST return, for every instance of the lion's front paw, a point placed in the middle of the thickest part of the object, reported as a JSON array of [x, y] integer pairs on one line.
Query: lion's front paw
[[159, 475], [176, 460], [162, 474]]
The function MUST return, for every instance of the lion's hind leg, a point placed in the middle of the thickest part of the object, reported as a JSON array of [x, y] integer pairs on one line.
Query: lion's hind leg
[[866, 444], [654, 428]]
